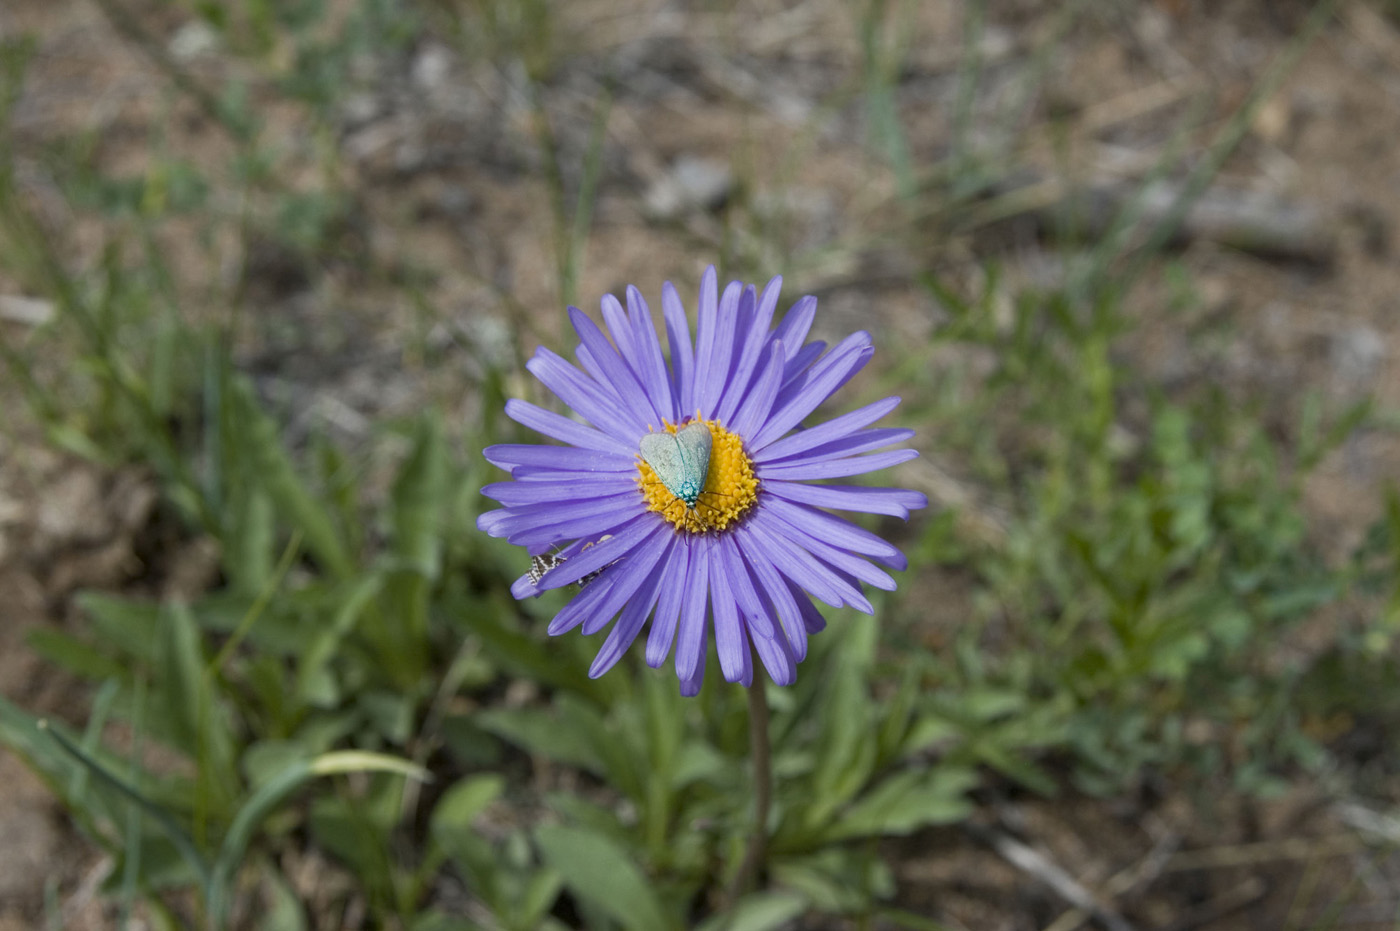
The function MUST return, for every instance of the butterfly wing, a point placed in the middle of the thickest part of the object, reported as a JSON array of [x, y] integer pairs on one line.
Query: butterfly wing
[[695, 441], [663, 453], [681, 459]]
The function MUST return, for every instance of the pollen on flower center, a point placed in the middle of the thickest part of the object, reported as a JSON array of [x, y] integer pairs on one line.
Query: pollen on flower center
[[729, 491]]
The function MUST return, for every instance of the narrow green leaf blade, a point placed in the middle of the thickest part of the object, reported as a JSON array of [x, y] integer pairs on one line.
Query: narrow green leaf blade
[[597, 870]]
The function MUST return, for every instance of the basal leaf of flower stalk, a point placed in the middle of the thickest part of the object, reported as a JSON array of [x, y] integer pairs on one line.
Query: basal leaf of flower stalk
[[540, 731], [351, 832], [316, 683], [165, 851], [74, 654], [762, 911], [250, 540], [254, 435], [897, 715], [537, 898], [284, 911], [419, 492], [262, 802], [665, 732], [839, 880], [845, 751], [905, 802], [619, 759], [20, 734], [195, 717], [598, 871], [459, 805], [128, 628], [453, 831], [390, 712], [529, 656], [1006, 754]]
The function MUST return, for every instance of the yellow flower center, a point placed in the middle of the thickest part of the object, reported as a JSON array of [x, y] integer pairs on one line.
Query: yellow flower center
[[730, 486]]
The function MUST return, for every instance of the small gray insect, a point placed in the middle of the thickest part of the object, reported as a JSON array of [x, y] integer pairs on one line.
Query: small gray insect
[[544, 562], [541, 564]]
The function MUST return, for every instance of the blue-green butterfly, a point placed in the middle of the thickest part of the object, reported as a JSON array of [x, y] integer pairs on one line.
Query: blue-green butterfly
[[681, 460]]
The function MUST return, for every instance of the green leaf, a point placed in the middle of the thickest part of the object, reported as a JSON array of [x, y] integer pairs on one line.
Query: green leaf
[[197, 719], [538, 896], [77, 656], [316, 683], [176, 835], [418, 495], [250, 541], [284, 912], [764, 911], [131, 627], [617, 754], [601, 873], [906, 802], [272, 793], [539, 732], [530, 656], [254, 435], [846, 748], [468, 798]]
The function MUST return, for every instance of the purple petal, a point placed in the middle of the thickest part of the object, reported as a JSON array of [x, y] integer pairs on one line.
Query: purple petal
[[690, 637], [862, 441], [583, 603], [777, 591], [801, 360], [523, 588], [802, 567], [758, 402], [521, 494], [834, 468], [651, 364], [844, 560], [796, 324], [706, 323], [690, 685], [624, 537], [767, 304], [509, 455], [732, 561], [513, 520], [585, 396], [615, 371], [712, 368], [547, 474], [750, 345], [812, 620], [565, 430], [776, 656], [832, 429], [797, 400], [678, 336], [836, 531], [896, 502], [668, 606], [592, 525], [615, 319], [634, 615], [626, 579], [730, 642], [792, 561]]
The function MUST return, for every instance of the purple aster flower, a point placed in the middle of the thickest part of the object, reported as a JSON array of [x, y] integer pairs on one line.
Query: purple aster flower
[[704, 534]]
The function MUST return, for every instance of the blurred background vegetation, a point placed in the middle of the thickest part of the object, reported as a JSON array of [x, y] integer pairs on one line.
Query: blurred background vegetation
[[269, 269]]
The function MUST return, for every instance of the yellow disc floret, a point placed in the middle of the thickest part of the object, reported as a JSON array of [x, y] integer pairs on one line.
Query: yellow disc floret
[[730, 485]]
